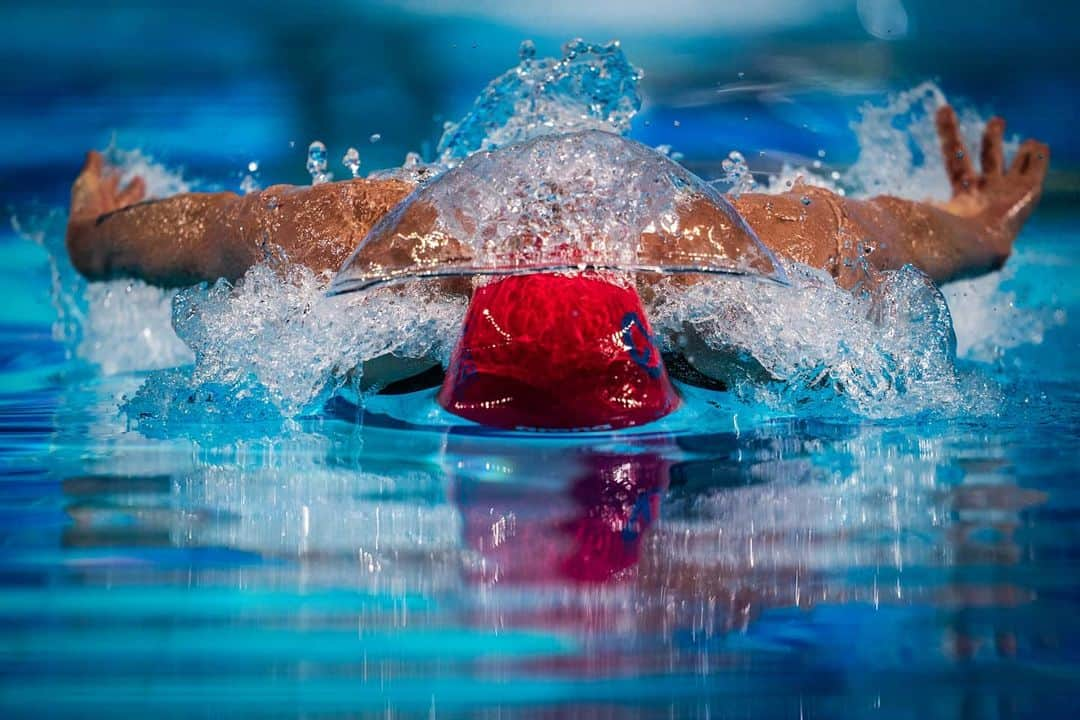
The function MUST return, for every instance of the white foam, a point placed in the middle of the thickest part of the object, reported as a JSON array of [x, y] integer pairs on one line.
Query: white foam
[[989, 321], [880, 354], [127, 327], [276, 334]]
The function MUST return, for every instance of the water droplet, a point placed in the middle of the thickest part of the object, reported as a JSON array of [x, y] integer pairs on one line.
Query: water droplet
[[817, 164], [742, 75], [527, 51], [375, 137], [352, 161], [253, 166], [835, 175], [676, 123], [316, 163], [821, 153]]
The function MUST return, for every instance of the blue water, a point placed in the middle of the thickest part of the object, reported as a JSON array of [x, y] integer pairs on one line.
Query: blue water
[[735, 560]]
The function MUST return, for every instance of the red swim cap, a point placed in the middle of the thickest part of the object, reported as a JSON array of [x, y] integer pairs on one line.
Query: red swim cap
[[557, 351]]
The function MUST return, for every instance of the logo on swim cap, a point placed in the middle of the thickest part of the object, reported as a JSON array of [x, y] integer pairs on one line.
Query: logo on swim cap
[[642, 345]]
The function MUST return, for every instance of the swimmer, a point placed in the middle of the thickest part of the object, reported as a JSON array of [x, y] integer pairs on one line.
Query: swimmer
[[194, 237]]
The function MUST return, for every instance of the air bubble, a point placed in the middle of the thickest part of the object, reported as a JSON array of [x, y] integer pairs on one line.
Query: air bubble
[[375, 137], [253, 166], [527, 51], [805, 200]]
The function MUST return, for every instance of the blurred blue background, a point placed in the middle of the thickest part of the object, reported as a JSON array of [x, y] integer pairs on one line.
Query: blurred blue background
[[213, 86]]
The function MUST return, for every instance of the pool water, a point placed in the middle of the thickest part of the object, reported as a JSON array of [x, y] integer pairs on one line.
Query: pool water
[[746, 556], [752, 560]]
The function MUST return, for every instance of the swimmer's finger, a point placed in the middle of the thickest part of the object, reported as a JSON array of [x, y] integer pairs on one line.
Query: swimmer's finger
[[133, 193], [993, 155], [1032, 160], [957, 163], [94, 164]]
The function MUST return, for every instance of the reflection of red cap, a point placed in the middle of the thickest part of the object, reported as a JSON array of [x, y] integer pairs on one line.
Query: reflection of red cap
[[586, 532], [557, 351]]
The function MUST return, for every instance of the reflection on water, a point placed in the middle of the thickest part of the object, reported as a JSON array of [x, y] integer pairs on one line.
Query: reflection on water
[[790, 564]]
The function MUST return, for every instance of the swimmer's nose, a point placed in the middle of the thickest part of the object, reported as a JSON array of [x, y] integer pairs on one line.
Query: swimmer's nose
[[560, 352]]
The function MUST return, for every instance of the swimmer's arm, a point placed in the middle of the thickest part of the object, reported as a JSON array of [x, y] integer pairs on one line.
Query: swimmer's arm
[[971, 234], [189, 238]]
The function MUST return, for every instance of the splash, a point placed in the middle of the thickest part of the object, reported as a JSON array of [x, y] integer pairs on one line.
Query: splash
[[591, 87], [557, 202], [121, 325], [880, 353], [990, 320], [273, 345], [900, 155], [276, 342]]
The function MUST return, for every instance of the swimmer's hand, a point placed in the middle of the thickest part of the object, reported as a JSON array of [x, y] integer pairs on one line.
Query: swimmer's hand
[[97, 190], [1000, 199]]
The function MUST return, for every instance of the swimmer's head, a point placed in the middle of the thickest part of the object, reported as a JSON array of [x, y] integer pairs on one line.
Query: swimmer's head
[[557, 351]]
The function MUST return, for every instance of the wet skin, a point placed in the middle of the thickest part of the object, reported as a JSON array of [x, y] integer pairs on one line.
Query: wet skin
[[193, 237]]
